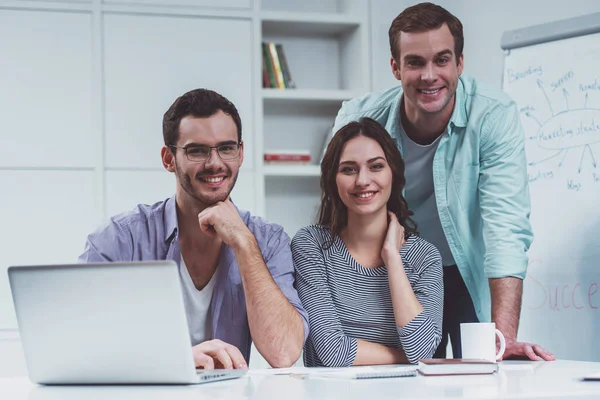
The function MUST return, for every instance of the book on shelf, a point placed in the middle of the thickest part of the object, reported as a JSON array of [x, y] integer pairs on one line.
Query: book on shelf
[[276, 65], [287, 157], [456, 366], [275, 68], [269, 80], [285, 69]]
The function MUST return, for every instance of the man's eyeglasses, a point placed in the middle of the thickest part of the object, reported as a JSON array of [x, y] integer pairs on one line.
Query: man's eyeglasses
[[201, 153]]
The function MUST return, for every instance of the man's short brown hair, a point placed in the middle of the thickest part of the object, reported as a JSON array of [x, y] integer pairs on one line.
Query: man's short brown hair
[[424, 17]]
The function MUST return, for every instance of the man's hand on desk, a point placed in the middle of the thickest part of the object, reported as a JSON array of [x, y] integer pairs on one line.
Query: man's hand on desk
[[218, 354], [522, 350]]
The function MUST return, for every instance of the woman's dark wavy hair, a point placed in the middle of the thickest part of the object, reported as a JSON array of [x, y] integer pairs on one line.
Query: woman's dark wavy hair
[[333, 213]]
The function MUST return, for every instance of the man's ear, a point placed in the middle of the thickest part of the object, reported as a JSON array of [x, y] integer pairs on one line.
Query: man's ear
[[395, 69], [241, 153], [168, 159], [461, 64]]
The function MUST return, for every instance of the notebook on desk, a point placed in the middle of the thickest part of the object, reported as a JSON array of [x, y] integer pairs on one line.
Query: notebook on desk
[[366, 372], [456, 366]]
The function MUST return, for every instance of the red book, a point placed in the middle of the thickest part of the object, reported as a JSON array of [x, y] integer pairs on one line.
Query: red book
[[287, 157]]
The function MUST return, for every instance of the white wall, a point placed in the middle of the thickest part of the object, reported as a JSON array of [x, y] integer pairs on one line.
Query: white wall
[[484, 21]]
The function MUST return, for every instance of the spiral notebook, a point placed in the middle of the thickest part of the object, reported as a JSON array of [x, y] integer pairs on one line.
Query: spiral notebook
[[371, 372]]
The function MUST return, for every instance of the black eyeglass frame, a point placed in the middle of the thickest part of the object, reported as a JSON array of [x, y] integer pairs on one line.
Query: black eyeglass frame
[[186, 148]]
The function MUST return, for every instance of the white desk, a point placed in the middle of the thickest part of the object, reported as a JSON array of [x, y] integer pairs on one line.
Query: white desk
[[559, 379]]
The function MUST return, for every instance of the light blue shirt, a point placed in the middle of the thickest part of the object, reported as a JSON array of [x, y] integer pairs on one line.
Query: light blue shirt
[[480, 181]]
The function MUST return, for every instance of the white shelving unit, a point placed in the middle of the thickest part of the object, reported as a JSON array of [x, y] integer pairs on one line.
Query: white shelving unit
[[313, 96], [308, 23], [326, 45]]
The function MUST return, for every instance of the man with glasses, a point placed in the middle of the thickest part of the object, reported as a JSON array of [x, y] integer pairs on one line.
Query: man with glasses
[[236, 269]]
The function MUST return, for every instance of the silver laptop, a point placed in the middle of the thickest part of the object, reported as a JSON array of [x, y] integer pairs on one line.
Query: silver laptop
[[108, 323]]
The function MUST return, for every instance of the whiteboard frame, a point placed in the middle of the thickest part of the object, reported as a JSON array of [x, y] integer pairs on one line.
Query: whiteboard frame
[[551, 31]]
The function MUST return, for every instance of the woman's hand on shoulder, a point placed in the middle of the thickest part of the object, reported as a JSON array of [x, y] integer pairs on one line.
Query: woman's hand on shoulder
[[394, 239]]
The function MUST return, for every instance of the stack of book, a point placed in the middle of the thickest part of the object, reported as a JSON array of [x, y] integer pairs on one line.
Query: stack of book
[[275, 69], [287, 157], [456, 366]]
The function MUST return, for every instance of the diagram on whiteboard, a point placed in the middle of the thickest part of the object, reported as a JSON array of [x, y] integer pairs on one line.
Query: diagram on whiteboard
[[560, 113], [567, 130]]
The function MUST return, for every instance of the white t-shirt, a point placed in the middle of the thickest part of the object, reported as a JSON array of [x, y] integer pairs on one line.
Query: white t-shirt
[[420, 194], [197, 305]]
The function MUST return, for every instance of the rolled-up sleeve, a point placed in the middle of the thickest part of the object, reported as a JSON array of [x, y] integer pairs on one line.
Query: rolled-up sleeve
[[421, 337], [280, 265], [504, 195]]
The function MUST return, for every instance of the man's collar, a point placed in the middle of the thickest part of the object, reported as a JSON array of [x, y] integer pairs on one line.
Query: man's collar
[[459, 114], [170, 219]]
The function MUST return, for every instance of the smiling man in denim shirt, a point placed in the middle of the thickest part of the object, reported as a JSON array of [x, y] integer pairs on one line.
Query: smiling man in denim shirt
[[466, 172], [236, 270]]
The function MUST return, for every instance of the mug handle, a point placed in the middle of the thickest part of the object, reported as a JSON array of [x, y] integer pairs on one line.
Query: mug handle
[[502, 345]]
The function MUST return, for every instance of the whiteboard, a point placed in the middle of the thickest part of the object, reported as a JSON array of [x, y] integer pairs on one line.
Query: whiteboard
[[556, 86]]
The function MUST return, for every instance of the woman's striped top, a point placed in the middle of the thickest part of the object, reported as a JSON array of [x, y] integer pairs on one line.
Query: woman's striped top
[[346, 301]]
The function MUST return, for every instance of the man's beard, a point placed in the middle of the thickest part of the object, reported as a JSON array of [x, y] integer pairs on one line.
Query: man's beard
[[208, 199]]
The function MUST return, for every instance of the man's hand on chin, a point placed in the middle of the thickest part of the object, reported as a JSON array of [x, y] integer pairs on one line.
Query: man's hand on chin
[[223, 220]]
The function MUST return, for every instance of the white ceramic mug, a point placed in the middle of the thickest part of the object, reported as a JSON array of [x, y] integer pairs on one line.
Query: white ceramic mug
[[478, 340]]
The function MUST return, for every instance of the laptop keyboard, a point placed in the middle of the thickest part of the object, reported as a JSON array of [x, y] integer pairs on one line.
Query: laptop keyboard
[[210, 375]]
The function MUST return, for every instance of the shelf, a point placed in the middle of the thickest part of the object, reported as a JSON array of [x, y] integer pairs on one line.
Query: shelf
[[292, 170], [156, 8], [307, 24], [314, 96]]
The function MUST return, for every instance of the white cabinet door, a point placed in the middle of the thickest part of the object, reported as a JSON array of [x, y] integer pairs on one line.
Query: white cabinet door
[[12, 362], [46, 217], [152, 60], [45, 94]]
